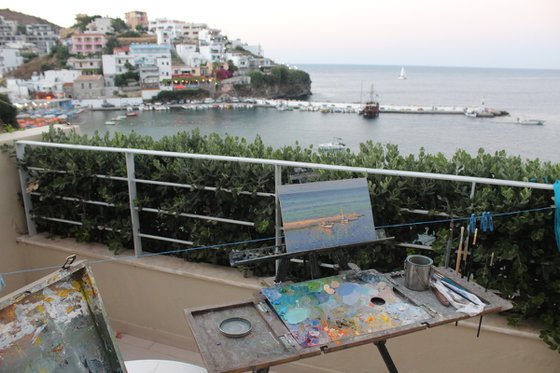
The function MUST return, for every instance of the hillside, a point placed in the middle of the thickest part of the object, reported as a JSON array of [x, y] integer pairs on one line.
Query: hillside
[[25, 19], [26, 70]]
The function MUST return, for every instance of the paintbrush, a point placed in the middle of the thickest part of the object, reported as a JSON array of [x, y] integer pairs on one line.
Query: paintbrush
[[465, 252], [449, 243], [491, 266], [468, 264], [460, 250]]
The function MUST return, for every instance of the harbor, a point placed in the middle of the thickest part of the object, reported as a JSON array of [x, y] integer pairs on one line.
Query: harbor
[[312, 106]]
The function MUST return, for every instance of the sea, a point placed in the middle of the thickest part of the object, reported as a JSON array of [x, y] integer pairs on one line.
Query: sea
[[523, 93]]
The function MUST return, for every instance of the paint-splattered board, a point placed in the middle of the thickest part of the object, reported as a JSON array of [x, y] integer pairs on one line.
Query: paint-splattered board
[[57, 324], [269, 342], [338, 310], [445, 315]]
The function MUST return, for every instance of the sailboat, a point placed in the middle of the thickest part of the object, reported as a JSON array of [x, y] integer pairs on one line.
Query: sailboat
[[402, 75]]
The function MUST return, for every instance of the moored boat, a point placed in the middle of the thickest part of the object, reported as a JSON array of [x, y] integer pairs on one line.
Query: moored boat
[[334, 146]]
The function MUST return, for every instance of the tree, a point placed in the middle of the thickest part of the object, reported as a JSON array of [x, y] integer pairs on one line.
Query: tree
[[61, 53], [119, 25], [112, 43], [8, 112], [82, 20]]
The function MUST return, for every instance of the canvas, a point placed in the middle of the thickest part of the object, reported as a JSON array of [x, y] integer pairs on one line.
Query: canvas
[[326, 214]]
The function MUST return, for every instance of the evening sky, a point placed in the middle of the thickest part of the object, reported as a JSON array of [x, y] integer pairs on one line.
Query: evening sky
[[470, 33]]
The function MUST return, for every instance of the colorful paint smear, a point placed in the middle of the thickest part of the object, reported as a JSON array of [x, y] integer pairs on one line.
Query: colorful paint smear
[[326, 214], [335, 308], [57, 326]]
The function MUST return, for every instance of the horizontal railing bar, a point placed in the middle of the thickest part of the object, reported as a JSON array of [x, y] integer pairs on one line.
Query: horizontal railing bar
[[159, 238], [425, 212], [155, 182], [76, 223], [213, 189], [98, 203], [120, 178], [373, 171], [202, 217], [61, 220], [415, 246]]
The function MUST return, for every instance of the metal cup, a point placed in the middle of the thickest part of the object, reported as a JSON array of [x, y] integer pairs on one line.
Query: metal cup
[[417, 272]]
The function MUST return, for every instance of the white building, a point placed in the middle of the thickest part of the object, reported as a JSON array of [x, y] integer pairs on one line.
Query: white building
[[171, 28], [188, 54], [87, 66], [192, 30], [10, 59], [116, 63], [99, 26], [53, 80], [42, 35], [254, 49], [8, 30], [241, 61], [18, 89], [153, 55]]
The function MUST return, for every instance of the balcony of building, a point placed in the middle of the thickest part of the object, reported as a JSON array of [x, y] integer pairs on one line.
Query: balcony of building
[[145, 297]]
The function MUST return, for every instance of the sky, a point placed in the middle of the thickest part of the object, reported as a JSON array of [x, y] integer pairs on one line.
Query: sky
[[465, 33]]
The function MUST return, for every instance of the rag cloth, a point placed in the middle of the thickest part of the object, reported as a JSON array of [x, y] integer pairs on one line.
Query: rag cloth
[[472, 307]]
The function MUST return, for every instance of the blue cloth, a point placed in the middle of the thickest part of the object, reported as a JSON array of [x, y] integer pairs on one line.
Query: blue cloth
[[557, 213]]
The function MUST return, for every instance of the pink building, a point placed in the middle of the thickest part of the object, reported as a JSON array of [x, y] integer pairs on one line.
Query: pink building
[[88, 43]]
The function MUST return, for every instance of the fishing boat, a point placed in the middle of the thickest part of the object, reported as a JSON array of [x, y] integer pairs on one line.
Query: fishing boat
[[131, 114], [334, 146], [402, 75]]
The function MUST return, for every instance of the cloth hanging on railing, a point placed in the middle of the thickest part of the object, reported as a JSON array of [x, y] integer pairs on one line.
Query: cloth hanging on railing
[[2, 283], [557, 213]]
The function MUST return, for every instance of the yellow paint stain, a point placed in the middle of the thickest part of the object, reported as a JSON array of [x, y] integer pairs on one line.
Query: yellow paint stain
[[63, 293], [37, 341], [58, 348], [43, 370], [48, 299], [40, 308], [71, 308]]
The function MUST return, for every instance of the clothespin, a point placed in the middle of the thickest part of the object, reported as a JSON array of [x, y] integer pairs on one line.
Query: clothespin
[[490, 221], [2, 283], [484, 222], [472, 223]]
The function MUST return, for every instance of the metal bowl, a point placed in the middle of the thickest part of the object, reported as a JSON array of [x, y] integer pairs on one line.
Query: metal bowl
[[235, 327]]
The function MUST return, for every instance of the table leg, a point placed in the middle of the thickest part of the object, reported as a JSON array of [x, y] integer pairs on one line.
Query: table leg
[[261, 370], [386, 356]]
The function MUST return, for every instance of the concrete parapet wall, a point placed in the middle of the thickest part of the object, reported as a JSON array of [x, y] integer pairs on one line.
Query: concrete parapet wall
[[146, 297]]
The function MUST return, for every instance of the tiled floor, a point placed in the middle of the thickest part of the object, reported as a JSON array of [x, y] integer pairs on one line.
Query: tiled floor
[[134, 348]]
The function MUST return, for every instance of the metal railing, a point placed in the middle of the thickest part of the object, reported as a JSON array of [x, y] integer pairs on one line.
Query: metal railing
[[132, 182]]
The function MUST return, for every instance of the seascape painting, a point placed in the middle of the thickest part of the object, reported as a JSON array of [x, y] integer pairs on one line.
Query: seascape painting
[[326, 214]]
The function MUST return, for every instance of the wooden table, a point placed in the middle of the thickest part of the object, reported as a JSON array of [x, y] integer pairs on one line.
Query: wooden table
[[271, 343]]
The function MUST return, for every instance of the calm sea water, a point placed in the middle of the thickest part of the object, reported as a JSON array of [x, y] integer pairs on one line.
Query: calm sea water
[[527, 94]]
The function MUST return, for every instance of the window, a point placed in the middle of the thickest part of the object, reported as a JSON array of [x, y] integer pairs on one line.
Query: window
[[89, 85]]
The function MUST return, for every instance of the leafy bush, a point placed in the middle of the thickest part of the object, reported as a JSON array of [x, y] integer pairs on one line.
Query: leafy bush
[[528, 264]]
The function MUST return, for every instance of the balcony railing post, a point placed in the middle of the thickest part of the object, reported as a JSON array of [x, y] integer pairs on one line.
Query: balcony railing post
[[23, 179], [473, 187], [132, 195], [277, 217]]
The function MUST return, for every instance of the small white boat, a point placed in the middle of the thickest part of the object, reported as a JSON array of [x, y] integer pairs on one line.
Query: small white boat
[[530, 121], [110, 123], [402, 75], [334, 146], [120, 117]]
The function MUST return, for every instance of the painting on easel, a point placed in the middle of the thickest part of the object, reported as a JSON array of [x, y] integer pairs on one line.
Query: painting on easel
[[326, 214]]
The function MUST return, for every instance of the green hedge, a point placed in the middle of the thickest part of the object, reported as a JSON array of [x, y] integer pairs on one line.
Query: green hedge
[[528, 263]]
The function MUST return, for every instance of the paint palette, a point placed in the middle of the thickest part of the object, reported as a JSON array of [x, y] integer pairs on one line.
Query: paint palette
[[57, 324], [337, 308]]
